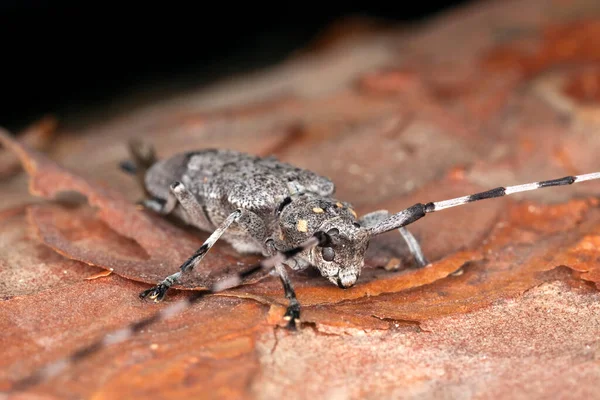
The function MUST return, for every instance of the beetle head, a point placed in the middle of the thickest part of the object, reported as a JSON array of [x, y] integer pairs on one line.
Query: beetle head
[[341, 258]]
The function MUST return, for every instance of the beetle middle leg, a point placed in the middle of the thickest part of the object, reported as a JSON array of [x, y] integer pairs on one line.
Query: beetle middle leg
[[193, 212], [373, 218]]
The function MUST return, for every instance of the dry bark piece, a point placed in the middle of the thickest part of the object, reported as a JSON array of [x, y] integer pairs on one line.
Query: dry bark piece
[[26, 264], [166, 245], [388, 82], [97, 275], [567, 43], [539, 346], [312, 289], [210, 347], [78, 234], [38, 136], [582, 256]]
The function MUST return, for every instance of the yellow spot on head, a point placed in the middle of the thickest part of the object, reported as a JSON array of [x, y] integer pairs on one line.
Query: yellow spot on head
[[353, 212], [340, 205], [302, 225], [318, 210]]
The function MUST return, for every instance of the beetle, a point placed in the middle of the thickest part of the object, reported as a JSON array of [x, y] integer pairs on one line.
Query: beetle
[[262, 205], [259, 205]]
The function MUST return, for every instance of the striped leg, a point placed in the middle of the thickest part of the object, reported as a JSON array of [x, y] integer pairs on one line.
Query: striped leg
[[246, 220], [158, 292], [419, 210], [292, 313], [121, 335]]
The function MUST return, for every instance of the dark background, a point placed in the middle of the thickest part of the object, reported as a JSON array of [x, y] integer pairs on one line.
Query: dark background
[[65, 57]]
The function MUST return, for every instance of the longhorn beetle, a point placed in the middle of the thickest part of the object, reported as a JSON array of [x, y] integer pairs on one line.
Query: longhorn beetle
[[262, 205]]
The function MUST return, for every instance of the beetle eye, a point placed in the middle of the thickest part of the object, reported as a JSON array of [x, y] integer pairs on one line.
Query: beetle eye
[[328, 254], [333, 232]]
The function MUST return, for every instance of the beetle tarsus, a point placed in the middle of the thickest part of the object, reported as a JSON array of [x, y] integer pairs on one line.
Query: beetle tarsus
[[156, 293]]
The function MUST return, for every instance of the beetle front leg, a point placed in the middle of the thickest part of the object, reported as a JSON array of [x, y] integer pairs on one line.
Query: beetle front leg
[[292, 313]]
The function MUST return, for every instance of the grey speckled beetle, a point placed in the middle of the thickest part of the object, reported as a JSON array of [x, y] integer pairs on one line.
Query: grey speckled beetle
[[259, 205], [287, 214]]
